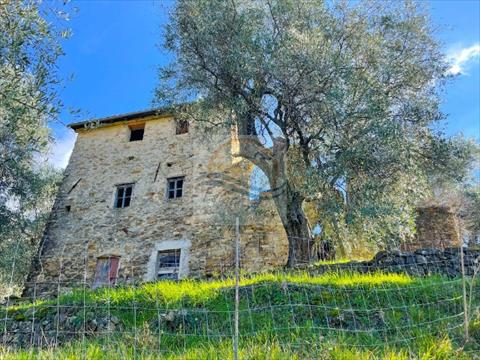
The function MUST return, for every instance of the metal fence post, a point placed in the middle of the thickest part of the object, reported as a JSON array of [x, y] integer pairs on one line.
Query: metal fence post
[[464, 291], [237, 289]]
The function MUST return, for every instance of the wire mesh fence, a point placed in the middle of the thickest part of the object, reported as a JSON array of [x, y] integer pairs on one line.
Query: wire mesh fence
[[426, 302]]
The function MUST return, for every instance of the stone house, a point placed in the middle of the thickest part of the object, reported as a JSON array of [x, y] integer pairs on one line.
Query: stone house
[[148, 197]]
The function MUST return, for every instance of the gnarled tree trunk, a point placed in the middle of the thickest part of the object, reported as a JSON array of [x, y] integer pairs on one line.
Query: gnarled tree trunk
[[287, 200], [295, 223]]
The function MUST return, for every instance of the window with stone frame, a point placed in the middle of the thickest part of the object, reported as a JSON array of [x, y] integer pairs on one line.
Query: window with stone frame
[[168, 264], [123, 195], [106, 271], [181, 127], [175, 187]]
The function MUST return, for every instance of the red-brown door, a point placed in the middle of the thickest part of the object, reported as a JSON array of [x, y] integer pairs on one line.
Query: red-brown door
[[106, 271]]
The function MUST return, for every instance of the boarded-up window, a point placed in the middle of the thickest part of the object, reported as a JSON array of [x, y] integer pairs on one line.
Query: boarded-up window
[[181, 127], [168, 264], [123, 195], [106, 271], [175, 187]]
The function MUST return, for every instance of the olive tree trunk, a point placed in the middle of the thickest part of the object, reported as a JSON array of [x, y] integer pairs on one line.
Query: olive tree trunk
[[288, 201], [295, 223]]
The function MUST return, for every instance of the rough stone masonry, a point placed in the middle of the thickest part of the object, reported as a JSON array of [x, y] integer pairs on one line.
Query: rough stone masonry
[[420, 262], [144, 197]]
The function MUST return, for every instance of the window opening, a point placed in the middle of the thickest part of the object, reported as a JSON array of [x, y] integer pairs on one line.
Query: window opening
[[123, 195], [136, 132], [181, 127], [168, 264], [175, 187]]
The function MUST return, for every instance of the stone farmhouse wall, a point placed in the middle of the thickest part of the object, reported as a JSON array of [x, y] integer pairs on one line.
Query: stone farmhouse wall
[[85, 226]]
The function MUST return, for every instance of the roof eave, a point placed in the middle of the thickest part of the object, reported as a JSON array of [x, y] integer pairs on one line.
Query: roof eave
[[121, 118]]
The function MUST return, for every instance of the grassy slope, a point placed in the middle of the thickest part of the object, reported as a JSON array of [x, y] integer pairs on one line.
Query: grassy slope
[[282, 316]]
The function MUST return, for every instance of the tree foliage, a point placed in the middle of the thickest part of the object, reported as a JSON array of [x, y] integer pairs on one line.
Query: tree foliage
[[471, 214], [29, 48], [334, 101]]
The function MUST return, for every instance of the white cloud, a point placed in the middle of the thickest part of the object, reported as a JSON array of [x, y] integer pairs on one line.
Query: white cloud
[[459, 58], [60, 150]]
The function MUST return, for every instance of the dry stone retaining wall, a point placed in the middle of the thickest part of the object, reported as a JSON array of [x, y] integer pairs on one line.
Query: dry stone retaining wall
[[421, 262]]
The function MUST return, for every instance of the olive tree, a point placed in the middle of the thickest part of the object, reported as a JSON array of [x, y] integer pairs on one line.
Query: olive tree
[[29, 48], [326, 97]]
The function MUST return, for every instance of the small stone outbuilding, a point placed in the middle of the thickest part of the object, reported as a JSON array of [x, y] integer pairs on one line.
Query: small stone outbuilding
[[437, 227]]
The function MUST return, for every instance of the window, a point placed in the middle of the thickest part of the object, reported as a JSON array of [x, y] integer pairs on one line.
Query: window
[[168, 259], [181, 127], [106, 271], [136, 132], [123, 195], [168, 264], [175, 187]]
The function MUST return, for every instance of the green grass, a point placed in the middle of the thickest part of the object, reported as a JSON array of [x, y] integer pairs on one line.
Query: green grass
[[340, 261], [257, 348], [197, 292], [293, 315], [332, 262]]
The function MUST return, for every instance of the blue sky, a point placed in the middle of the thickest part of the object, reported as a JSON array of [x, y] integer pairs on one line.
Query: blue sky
[[111, 62]]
